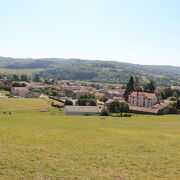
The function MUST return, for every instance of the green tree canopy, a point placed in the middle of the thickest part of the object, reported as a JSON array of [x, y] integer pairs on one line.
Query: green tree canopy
[[118, 107]]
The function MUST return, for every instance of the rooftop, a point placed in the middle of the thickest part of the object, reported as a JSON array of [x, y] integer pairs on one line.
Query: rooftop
[[85, 109], [145, 94]]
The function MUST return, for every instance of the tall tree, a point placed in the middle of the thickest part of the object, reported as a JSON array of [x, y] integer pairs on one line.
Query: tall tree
[[137, 86], [15, 77], [150, 87], [136, 83], [36, 78], [24, 78], [178, 104], [129, 88]]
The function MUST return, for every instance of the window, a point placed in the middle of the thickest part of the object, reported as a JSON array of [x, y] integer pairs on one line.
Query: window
[[133, 102]]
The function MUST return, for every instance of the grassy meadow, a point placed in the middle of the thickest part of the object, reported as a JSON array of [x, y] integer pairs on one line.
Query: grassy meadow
[[20, 104], [49, 145]]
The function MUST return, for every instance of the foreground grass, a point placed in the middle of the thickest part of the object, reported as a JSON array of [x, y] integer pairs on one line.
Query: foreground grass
[[48, 145]]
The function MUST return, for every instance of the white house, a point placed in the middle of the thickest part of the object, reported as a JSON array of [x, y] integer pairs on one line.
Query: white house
[[142, 99]]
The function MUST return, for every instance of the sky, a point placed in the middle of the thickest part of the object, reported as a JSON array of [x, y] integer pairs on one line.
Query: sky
[[134, 31]]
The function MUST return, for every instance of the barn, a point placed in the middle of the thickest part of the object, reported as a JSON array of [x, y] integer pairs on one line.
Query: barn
[[81, 110]]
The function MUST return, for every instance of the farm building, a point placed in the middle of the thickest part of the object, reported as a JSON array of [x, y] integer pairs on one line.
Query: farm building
[[23, 92], [81, 110], [159, 108], [142, 99]]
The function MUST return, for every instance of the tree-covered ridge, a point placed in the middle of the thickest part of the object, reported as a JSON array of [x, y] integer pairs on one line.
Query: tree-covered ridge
[[96, 71]]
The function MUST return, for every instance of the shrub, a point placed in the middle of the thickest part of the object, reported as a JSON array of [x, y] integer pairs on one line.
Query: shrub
[[173, 110], [104, 112], [172, 98], [127, 115], [68, 102]]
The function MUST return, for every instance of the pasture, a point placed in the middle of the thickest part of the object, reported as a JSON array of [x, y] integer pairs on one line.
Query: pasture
[[20, 104], [50, 145]]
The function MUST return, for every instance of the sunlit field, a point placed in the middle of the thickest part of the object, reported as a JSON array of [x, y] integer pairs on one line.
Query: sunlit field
[[50, 145], [16, 104]]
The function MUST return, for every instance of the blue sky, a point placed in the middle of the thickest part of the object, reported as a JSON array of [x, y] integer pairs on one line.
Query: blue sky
[[135, 31]]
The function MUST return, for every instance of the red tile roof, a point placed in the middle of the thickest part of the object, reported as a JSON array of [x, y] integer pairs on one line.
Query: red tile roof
[[161, 105], [147, 95]]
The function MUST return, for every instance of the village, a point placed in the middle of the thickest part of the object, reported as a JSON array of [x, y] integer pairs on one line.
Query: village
[[81, 98]]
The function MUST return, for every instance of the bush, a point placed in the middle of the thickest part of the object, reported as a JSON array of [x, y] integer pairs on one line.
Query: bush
[[56, 105], [86, 102], [172, 98], [104, 112], [127, 115], [103, 99], [87, 114], [18, 84], [68, 102], [173, 110]]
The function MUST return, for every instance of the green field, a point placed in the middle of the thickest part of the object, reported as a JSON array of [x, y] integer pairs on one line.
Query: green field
[[19, 71], [49, 145], [16, 104]]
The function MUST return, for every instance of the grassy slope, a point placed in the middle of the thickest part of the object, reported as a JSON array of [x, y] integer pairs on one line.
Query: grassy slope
[[50, 146], [14, 104]]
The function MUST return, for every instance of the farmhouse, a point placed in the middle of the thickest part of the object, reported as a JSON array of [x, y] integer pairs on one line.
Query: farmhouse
[[142, 99], [19, 91], [81, 110], [158, 109], [114, 93], [23, 92], [163, 107]]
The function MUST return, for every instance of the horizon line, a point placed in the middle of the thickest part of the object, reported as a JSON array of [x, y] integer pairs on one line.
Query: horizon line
[[86, 59]]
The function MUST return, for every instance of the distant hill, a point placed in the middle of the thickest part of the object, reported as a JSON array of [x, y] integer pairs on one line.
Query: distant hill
[[96, 70]]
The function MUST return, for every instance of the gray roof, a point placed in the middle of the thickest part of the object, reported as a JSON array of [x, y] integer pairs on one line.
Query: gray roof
[[84, 109]]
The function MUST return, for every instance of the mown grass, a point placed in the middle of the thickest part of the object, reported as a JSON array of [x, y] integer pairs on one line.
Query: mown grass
[[50, 145]]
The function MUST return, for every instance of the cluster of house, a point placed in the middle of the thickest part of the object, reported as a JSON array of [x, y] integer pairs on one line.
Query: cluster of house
[[68, 90], [139, 102]]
